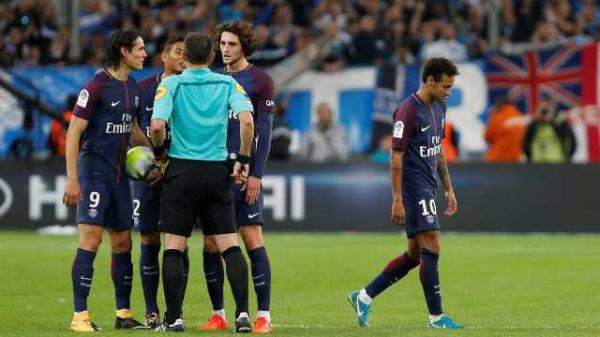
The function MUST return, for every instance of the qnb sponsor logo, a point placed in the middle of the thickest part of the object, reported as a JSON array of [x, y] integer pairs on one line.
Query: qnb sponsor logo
[[425, 151]]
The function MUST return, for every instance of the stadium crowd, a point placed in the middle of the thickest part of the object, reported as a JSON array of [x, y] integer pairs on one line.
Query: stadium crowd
[[37, 32]]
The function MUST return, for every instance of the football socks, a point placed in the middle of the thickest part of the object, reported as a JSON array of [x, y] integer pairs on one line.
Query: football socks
[[237, 273], [122, 276], [261, 276], [82, 273], [430, 280], [150, 275], [393, 271]]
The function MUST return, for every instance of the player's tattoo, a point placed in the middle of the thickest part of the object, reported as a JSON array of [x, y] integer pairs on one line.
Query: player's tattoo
[[442, 170]]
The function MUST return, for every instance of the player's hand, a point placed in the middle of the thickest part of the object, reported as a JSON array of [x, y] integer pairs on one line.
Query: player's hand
[[240, 174], [253, 185], [158, 173], [452, 203], [72, 194], [398, 214]]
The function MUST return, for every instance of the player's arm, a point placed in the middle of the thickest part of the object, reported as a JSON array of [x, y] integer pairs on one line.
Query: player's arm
[[442, 170], [72, 193], [82, 112], [396, 172], [404, 127], [264, 129], [138, 137], [242, 108], [163, 108]]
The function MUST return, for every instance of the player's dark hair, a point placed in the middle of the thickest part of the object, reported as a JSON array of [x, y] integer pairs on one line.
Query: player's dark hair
[[198, 48], [243, 30], [171, 41], [437, 67], [117, 39]]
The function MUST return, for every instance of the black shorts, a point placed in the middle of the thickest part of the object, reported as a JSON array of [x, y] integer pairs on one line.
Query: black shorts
[[198, 190]]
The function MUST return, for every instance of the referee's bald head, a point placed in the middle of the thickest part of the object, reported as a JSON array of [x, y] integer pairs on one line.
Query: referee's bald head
[[198, 48]]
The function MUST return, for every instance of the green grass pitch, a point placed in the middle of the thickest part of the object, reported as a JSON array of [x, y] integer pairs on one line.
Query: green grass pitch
[[495, 284]]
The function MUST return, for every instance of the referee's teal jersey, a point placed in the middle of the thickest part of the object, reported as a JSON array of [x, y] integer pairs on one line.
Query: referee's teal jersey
[[197, 104]]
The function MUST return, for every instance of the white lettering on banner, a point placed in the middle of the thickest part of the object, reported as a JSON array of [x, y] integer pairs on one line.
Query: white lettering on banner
[[276, 198], [297, 197], [465, 117], [275, 194], [39, 195], [5, 191], [331, 85]]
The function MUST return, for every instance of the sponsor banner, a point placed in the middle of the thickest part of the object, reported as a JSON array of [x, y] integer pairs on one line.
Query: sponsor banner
[[356, 197]]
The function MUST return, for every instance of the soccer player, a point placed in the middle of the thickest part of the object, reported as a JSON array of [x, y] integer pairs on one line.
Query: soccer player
[[104, 116], [416, 155], [237, 42], [197, 180], [146, 197]]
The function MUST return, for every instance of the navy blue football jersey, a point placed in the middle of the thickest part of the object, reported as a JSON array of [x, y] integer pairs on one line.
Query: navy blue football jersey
[[418, 131], [109, 106], [148, 87], [259, 88]]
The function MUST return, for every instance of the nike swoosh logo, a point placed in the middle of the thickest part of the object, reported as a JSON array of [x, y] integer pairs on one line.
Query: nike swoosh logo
[[149, 267], [114, 103], [358, 308], [250, 216], [259, 276], [149, 108], [127, 277], [423, 129], [85, 278]]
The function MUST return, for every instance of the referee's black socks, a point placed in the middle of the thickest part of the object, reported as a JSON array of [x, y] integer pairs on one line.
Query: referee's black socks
[[237, 273], [172, 274]]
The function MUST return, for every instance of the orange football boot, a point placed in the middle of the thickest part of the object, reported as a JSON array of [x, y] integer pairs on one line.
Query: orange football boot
[[261, 325], [216, 322]]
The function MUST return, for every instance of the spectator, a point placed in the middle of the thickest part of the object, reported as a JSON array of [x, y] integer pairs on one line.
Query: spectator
[[527, 14], [504, 133], [382, 153], [450, 142], [549, 137], [58, 129], [325, 140], [281, 136], [447, 46], [368, 45]]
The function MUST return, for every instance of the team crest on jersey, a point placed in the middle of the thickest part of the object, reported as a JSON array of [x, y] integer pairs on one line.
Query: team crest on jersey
[[93, 212], [398, 129], [239, 88], [160, 93], [83, 98]]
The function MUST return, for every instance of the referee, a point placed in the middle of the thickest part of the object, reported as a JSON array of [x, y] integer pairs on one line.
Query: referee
[[198, 180]]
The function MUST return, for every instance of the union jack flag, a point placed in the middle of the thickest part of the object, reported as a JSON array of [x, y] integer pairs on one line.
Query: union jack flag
[[528, 77]]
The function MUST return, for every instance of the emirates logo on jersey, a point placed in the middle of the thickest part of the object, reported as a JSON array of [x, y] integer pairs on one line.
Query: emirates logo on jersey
[[120, 128]]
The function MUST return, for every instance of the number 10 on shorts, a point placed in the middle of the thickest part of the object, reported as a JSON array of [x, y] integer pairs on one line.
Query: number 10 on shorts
[[432, 210]]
